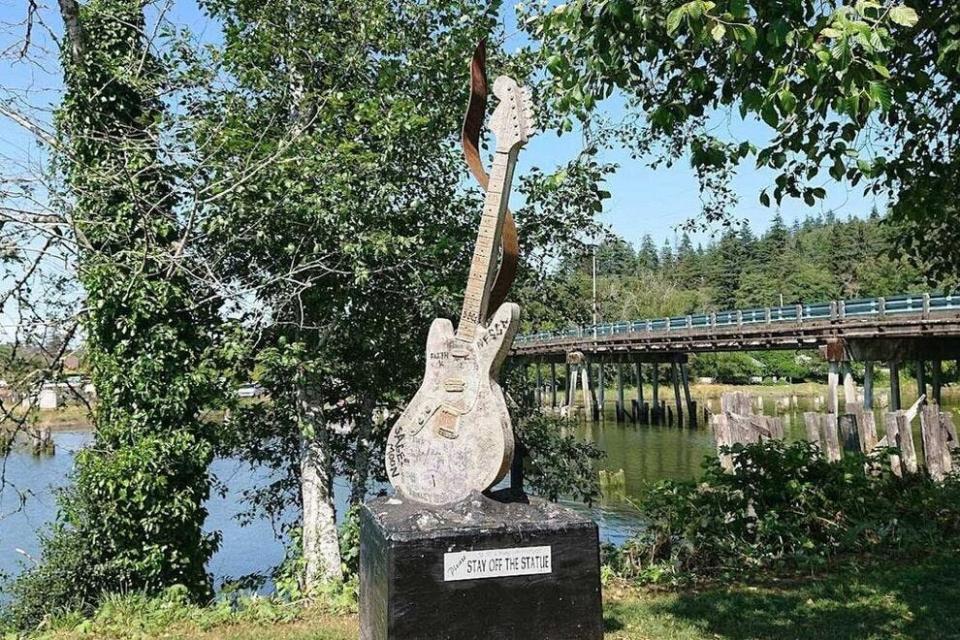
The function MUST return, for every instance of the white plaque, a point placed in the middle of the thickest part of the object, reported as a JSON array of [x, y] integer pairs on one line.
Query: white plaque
[[497, 563]]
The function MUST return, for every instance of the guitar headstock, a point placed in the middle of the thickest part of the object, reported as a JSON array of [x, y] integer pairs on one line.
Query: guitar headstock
[[512, 120]]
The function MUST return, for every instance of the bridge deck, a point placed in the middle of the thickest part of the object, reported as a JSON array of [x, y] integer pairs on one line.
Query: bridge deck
[[932, 317]]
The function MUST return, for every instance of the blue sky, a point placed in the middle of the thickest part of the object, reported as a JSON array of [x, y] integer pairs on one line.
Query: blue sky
[[643, 200]]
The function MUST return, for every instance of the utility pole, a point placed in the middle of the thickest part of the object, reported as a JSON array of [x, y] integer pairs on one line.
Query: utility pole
[[596, 309]]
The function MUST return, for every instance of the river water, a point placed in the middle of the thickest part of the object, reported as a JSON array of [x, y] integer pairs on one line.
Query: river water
[[645, 454]]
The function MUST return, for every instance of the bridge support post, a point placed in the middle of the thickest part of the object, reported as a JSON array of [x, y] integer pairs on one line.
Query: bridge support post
[[587, 390], [639, 389], [849, 385], [677, 400], [921, 379], [833, 380], [570, 384], [655, 382], [895, 402], [621, 408], [937, 372], [553, 385], [538, 390], [601, 386], [868, 384], [691, 405]]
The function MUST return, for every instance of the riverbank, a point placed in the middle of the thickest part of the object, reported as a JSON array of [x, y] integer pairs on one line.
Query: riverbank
[[879, 599], [76, 417]]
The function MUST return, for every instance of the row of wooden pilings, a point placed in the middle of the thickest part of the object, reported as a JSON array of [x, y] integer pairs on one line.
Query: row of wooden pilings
[[590, 378], [39, 438], [932, 383], [855, 430]]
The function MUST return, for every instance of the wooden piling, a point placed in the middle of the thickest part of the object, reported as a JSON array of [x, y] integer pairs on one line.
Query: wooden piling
[[891, 423], [868, 384], [908, 451], [691, 405], [933, 450], [921, 379], [811, 422], [553, 385], [41, 441], [620, 398], [849, 385], [538, 395], [895, 399], [601, 386], [639, 368], [849, 435], [936, 375], [831, 439], [833, 380], [655, 382], [568, 399], [677, 399]]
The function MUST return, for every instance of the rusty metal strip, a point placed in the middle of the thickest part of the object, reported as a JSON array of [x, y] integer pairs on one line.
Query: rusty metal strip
[[472, 126]]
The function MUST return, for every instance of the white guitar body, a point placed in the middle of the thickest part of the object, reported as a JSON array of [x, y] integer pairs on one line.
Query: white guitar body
[[455, 436]]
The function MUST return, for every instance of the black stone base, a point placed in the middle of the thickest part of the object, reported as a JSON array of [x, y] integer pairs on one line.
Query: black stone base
[[404, 594]]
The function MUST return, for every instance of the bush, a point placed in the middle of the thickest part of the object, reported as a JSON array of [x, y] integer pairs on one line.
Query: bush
[[558, 464], [786, 508]]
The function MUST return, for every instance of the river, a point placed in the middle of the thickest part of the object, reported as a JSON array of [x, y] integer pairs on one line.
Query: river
[[646, 454]]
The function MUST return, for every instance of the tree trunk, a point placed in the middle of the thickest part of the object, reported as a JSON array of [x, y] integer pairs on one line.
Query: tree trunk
[[361, 467], [321, 544]]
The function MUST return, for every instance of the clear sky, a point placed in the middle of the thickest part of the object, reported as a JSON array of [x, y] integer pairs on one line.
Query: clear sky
[[643, 200]]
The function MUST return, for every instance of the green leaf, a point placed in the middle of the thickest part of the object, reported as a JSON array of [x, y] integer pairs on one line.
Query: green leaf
[[769, 115], [904, 16], [788, 101], [882, 70], [880, 93], [718, 32], [831, 33], [674, 18], [765, 198]]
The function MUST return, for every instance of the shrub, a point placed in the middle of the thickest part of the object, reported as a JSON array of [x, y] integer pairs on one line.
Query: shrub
[[786, 508], [558, 464]]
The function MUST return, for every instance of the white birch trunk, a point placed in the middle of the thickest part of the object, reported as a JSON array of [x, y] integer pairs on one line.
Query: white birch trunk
[[321, 543]]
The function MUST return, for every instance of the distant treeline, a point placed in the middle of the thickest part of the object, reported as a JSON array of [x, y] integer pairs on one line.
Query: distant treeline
[[819, 258]]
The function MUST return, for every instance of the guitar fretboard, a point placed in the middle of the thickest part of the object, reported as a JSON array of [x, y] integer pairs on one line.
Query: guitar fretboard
[[483, 267]]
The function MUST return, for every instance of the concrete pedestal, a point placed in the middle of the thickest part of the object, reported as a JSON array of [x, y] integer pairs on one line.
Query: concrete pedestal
[[481, 569]]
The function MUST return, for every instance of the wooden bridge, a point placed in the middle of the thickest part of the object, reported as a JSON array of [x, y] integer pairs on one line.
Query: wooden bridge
[[920, 328]]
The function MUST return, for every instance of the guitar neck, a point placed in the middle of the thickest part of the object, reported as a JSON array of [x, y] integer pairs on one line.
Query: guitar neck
[[484, 265]]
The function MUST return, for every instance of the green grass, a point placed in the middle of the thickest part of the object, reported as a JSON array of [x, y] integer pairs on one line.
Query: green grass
[[919, 599]]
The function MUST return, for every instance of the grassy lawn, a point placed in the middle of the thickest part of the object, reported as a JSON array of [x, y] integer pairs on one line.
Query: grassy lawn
[[919, 599], [914, 600]]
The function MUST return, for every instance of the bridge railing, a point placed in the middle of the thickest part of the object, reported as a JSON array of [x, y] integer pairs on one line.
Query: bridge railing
[[920, 304]]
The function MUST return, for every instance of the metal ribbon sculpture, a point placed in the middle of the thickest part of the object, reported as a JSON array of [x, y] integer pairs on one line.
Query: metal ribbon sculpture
[[472, 126]]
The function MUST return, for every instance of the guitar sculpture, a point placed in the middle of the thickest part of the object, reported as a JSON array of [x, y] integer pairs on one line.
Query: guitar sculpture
[[455, 436]]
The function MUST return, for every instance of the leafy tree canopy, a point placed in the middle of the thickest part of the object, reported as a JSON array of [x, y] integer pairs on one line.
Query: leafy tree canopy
[[863, 93]]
